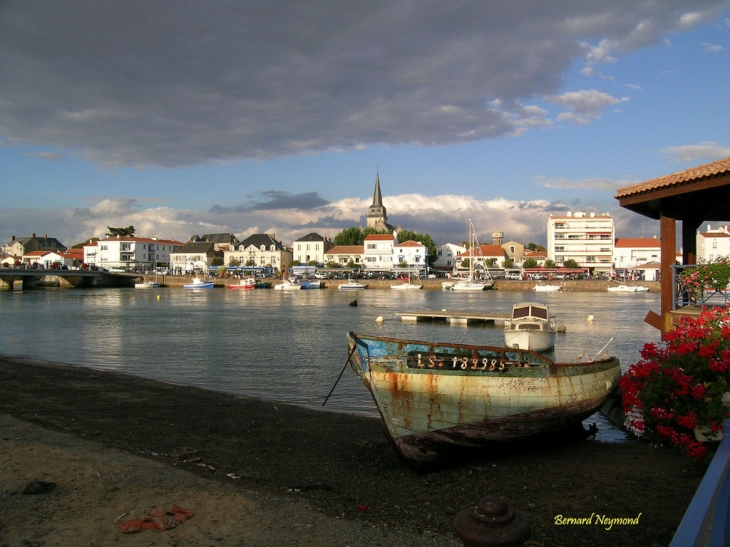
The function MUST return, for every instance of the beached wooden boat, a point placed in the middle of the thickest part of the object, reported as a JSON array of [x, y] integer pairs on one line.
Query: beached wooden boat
[[530, 327], [436, 397]]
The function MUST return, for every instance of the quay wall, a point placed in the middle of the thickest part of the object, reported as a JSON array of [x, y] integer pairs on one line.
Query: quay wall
[[582, 285]]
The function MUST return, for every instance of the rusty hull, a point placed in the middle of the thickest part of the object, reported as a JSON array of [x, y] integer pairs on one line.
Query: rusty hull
[[427, 411]]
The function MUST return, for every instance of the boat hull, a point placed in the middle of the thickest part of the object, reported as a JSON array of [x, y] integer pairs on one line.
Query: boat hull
[[434, 398], [533, 340]]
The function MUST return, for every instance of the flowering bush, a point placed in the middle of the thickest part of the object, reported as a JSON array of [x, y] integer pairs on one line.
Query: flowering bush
[[706, 276], [679, 386]]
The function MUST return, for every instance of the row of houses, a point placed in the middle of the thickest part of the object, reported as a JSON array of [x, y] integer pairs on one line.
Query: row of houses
[[380, 252]]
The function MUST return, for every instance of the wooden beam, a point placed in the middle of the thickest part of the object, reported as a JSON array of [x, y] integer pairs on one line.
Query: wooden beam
[[668, 231]]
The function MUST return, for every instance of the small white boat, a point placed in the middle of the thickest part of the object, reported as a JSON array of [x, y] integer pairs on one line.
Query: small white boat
[[288, 285], [199, 284], [470, 284], [531, 327], [547, 288], [147, 285], [628, 288], [408, 286], [352, 286], [245, 284]]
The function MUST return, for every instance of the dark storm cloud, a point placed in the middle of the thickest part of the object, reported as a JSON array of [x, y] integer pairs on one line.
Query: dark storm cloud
[[274, 200], [173, 83]]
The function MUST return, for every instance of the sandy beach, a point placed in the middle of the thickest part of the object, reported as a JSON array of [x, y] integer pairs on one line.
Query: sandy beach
[[259, 472]]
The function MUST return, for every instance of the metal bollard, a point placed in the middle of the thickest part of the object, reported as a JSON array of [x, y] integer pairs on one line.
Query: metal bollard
[[491, 524]]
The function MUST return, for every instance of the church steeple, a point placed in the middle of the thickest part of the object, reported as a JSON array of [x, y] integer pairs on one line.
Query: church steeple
[[377, 217], [377, 197]]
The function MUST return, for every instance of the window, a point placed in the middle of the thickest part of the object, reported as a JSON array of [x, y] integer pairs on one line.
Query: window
[[559, 249]]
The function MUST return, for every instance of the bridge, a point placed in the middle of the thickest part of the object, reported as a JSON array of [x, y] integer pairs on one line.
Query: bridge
[[20, 279]]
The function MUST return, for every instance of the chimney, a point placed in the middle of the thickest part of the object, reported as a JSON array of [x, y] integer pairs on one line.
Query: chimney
[[12, 238], [33, 235]]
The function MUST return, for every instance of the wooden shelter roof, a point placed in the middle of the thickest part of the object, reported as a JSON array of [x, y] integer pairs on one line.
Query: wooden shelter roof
[[704, 189]]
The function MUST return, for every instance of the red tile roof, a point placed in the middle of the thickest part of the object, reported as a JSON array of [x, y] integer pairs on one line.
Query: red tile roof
[[688, 176], [345, 250]]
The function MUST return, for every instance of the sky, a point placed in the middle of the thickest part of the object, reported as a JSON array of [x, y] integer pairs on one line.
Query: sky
[[188, 118]]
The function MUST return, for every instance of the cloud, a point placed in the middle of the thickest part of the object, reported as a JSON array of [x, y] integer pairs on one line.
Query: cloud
[[712, 48], [695, 152], [139, 83], [584, 105], [600, 184], [444, 217]]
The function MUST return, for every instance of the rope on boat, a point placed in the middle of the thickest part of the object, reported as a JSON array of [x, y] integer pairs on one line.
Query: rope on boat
[[354, 346]]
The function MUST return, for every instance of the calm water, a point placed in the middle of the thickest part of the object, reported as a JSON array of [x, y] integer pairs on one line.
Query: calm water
[[285, 345]]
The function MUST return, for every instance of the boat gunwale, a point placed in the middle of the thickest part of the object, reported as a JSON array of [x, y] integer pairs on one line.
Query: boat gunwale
[[551, 363]]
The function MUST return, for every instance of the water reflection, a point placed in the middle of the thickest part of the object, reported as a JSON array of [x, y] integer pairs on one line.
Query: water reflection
[[284, 345]]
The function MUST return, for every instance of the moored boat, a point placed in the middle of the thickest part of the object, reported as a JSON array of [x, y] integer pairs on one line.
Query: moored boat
[[147, 285], [628, 288], [547, 288], [352, 286], [436, 397], [244, 284], [530, 327], [199, 284]]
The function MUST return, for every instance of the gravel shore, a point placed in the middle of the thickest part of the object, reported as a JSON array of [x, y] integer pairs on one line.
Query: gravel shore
[[259, 472]]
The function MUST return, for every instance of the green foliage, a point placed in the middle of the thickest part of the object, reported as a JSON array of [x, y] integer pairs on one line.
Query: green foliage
[[509, 263], [530, 263], [217, 261], [549, 263], [570, 263], [296, 263], [121, 232], [234, 262]]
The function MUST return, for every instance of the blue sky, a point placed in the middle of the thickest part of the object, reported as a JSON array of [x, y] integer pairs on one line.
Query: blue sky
[[243, 117]]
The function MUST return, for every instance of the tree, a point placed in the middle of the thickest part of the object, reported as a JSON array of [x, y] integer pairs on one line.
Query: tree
[[530, 263], [121, 232], [508, 263], [549, 263], [217, 261], [570, 263]]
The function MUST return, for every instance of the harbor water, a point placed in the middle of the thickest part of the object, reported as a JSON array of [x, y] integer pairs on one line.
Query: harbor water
[[288, 346]]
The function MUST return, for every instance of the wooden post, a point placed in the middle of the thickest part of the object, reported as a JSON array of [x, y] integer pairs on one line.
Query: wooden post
[[668, 231]]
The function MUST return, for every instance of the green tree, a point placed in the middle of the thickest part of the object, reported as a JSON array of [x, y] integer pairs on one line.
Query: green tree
[[549, 263], [234, 262], [530, 263], [217, 261], [509, 263], [570, 263], [296, 263], [121, 232]]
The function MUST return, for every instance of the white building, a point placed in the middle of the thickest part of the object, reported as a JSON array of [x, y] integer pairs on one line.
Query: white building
[[130, 252], [410, 255], [631, 252], [48, 259], [343, 255], [446, 256], [586, 238], [260, 250], [378, 251], [713, 243], [310, 248]]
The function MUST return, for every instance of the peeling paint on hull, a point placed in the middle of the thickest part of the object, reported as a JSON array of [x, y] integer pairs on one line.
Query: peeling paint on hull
[[436, 396]]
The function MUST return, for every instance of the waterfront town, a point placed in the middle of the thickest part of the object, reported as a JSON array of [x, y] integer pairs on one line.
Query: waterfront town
[[578, 243]]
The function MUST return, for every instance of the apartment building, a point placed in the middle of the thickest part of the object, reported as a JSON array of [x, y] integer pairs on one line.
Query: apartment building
[[713, 243], [311, 248], [587, 238], [130, 252]]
